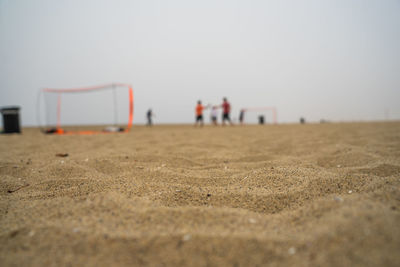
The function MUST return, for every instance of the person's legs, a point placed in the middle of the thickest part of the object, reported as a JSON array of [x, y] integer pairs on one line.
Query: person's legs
[[214, 120], [199, 119], [225, 117]]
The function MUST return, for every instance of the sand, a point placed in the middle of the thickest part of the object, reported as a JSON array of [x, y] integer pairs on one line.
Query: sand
[[274, 195]]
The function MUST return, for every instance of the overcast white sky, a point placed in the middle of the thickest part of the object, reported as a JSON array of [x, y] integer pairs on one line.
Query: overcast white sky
[[331, 59]]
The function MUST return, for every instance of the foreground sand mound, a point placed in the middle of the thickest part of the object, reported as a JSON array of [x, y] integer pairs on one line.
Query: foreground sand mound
[[286, 195]]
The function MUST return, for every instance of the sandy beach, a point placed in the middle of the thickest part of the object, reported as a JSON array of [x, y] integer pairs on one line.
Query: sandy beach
[[273, 195]]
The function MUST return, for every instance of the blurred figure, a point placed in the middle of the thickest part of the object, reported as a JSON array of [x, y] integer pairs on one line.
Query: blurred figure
[[214, 115], [149, 116], [226, 108], [199, 114], [241, 116], [261, 119]]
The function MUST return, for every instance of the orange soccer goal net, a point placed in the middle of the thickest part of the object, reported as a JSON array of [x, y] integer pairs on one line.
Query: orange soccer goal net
[[90, 110]]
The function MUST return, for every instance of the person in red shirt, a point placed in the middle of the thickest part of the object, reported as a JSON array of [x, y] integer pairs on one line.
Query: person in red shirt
[[226, 110], [199, 114]]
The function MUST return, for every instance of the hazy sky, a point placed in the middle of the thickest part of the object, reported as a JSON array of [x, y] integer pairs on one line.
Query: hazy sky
[[332, 59]]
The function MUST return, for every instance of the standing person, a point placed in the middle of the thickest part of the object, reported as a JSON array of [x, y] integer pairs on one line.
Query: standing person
[[226, 108], [214, 114], [149, 115], [241, 116], [199, 114]]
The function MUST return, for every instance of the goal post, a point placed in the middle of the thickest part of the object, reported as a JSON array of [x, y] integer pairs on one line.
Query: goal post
[[88, 106], [262, 110]]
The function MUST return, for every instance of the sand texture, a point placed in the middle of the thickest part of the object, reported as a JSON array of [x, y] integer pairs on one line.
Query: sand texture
[[275, 195]]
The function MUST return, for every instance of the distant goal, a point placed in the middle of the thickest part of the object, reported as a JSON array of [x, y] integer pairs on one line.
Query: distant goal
[[89, 110]]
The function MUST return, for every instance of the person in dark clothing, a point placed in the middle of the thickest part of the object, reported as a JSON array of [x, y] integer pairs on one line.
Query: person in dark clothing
[[241, 116], [149, 116]]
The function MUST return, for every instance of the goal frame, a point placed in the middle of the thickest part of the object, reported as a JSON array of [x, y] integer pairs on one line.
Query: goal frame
[[60, 131]]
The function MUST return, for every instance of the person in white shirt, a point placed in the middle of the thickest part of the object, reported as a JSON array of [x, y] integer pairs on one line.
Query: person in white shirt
[[214, 115]]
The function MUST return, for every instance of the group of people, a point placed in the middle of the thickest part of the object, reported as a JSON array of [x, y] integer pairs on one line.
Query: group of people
[[226, 110]]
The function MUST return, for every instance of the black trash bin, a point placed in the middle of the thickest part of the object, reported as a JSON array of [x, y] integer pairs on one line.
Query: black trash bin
[[261, 119], [10, 119]]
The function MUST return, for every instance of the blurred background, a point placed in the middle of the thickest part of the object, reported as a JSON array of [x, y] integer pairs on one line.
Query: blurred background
[[335, 60]]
